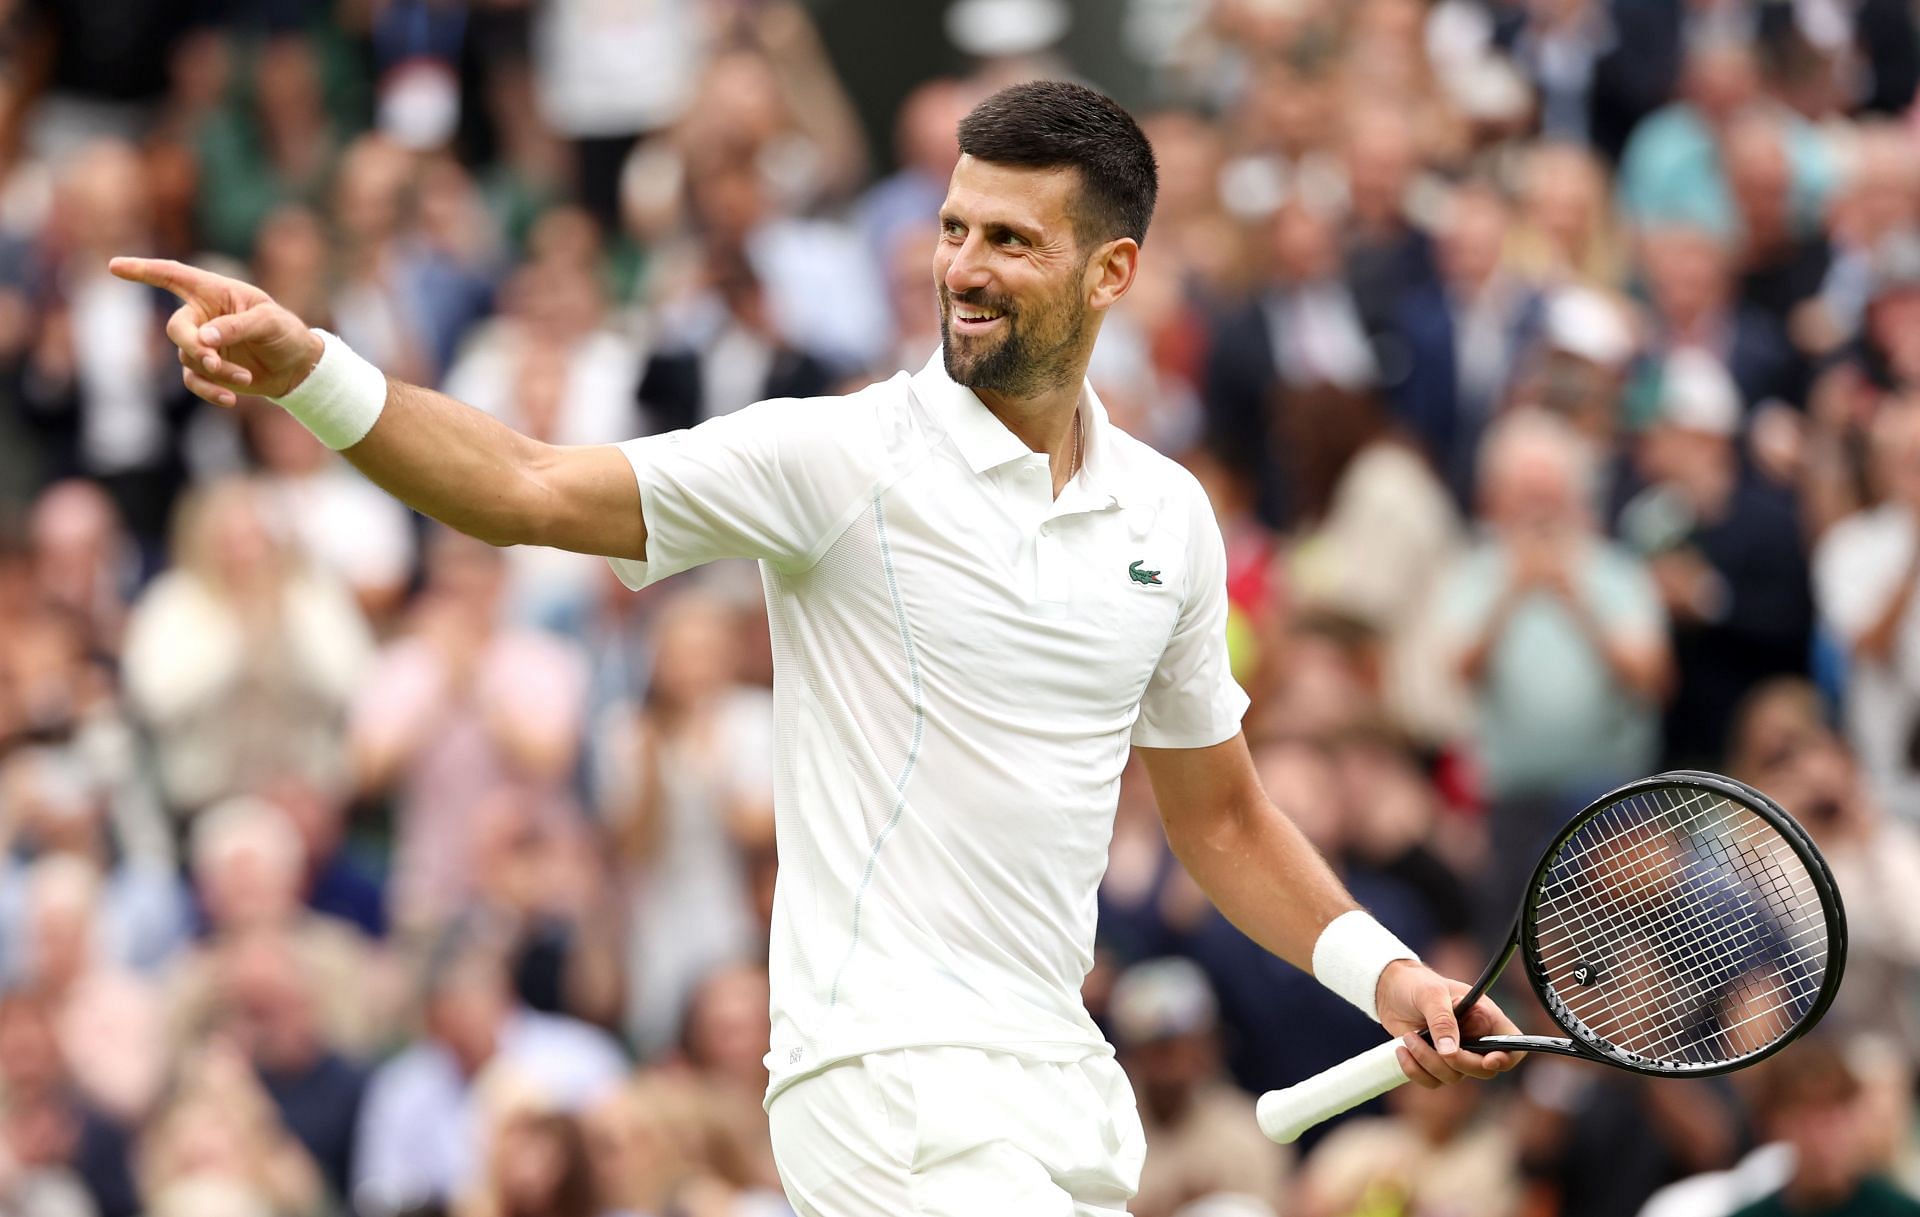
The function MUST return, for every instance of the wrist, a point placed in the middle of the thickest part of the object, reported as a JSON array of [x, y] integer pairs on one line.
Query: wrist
[[316, 347], [1352, 957], [340, 397]]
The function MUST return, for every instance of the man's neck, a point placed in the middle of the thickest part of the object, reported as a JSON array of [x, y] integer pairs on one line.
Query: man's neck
[[1045, 425]]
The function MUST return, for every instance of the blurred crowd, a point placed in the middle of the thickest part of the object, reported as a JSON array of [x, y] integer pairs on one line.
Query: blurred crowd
[[1553, 367]]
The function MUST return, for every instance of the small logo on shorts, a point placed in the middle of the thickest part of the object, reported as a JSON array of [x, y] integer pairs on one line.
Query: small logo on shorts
[[1143, 576], [793, 1057]]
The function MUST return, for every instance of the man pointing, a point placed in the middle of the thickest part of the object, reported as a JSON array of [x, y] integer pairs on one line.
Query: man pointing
[[981, 593]]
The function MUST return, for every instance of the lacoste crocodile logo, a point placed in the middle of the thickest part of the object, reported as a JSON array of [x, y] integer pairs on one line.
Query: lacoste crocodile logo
[[1143, 576]]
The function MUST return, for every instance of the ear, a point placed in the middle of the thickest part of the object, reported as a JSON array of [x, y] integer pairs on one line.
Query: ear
[[1110, 272]]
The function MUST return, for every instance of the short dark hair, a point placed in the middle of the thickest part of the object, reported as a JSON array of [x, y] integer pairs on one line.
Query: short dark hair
[[1055, 124]]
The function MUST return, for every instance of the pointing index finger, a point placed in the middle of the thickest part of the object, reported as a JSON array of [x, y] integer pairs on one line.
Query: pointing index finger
[[177, 277]]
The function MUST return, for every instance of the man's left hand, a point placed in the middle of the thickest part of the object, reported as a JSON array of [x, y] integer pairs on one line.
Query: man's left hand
[[1413, 998]]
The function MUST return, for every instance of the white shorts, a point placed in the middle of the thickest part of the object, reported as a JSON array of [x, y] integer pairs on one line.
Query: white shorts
[[959, 1132]]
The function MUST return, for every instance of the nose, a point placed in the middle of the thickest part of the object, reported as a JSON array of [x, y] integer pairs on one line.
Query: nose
[[965, 267]]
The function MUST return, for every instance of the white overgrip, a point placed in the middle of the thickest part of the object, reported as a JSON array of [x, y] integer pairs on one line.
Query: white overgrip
[[1285, 1114]]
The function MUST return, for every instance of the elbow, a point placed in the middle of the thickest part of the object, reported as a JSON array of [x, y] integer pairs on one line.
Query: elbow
[[524, 511]]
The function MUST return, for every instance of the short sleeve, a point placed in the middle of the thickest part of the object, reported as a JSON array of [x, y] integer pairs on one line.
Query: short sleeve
[[1192, 700], [1626, 597], [777, 481]]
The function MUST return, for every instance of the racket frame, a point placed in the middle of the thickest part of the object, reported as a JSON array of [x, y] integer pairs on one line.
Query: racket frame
[[1587, 1047]]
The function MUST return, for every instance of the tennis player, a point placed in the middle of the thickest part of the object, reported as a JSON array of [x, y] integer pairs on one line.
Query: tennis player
[[982, 593]]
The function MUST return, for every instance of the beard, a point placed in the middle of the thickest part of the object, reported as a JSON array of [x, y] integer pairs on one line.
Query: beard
[[1026, 358]]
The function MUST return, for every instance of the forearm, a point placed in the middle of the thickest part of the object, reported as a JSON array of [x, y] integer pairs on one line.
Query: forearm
[[1876, 641], [1642, 668], [1471, 663], [1265, 877]]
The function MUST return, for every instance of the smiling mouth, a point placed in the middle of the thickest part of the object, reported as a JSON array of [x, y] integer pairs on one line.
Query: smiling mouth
[[975, 318]]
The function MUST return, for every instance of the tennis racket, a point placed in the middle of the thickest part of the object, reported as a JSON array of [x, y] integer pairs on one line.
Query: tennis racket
[[1682, 925]]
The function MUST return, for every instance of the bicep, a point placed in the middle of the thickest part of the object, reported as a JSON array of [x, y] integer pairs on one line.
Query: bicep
[[1196, 788], [592, 502]]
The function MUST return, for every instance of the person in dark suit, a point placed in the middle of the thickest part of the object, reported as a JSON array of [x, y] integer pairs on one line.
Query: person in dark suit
[[1723, 545], [1463, 335], [729, 355], [1301, 332], [1690, 282]]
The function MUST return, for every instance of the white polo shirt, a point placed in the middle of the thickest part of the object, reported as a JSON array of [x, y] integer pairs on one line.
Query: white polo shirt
[[960, 664]]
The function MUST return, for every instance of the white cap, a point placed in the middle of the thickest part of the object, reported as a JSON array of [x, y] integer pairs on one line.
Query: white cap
[[1587, 323], [1697, 393], [1161, 998], [992, 28]]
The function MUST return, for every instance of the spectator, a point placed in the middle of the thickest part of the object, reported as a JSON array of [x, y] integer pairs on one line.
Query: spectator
[[1783, 258], [1811, 1099], [48, 1125], [1440, 1151], [83, 560], [270, 1010], [724, 1041], [110, 1022], [419, 1139], [1387, 255], [1561, 636], [1691, 283], [96, 379], [1565, 231], [545, 892], [1200, 1129], [459, 705], [690, 790], [1782, 743], [926, 150], [248, 868], [54, 808], [1864, 574], [241, 660], [537, 1163], [1464, 334], [726, 352], [1673, 174], [1724, 549], [401, 300], [217, 1147], [339, 523], [277, 149], [1303, 330]]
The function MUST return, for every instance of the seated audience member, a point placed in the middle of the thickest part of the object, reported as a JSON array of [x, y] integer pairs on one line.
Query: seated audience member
[[241, 660], [248, 869], [1783, 744], [269, 1008], [419, 1138], [461, 703], [1202, 1138], [1811, 1099], [1437, 1151]]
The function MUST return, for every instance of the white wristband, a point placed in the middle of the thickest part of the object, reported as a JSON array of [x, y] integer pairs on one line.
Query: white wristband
[[1350, 954], [341, 398]]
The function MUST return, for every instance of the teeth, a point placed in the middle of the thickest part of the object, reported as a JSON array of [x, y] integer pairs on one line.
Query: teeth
[[969, 313]]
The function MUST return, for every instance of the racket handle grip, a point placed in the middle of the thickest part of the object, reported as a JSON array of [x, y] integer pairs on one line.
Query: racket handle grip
[[1285, 1114]]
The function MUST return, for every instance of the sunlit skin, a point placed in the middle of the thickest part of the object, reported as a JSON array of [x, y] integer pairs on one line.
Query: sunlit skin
[[1008, 246]]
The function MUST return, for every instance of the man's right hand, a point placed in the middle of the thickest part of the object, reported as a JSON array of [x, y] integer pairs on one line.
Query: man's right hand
[[233, 338]]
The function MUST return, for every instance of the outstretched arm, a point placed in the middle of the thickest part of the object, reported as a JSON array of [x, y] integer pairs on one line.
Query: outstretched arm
[[1268, 879], [442, 458]]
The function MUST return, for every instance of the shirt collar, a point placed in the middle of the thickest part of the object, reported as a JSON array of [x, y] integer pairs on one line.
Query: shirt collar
[[986, 443]]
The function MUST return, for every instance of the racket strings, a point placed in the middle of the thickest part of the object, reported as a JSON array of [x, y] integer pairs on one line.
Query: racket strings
[[1679, 926]]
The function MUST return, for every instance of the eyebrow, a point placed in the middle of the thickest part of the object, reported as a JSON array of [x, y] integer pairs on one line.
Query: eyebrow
[[993, 227]]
